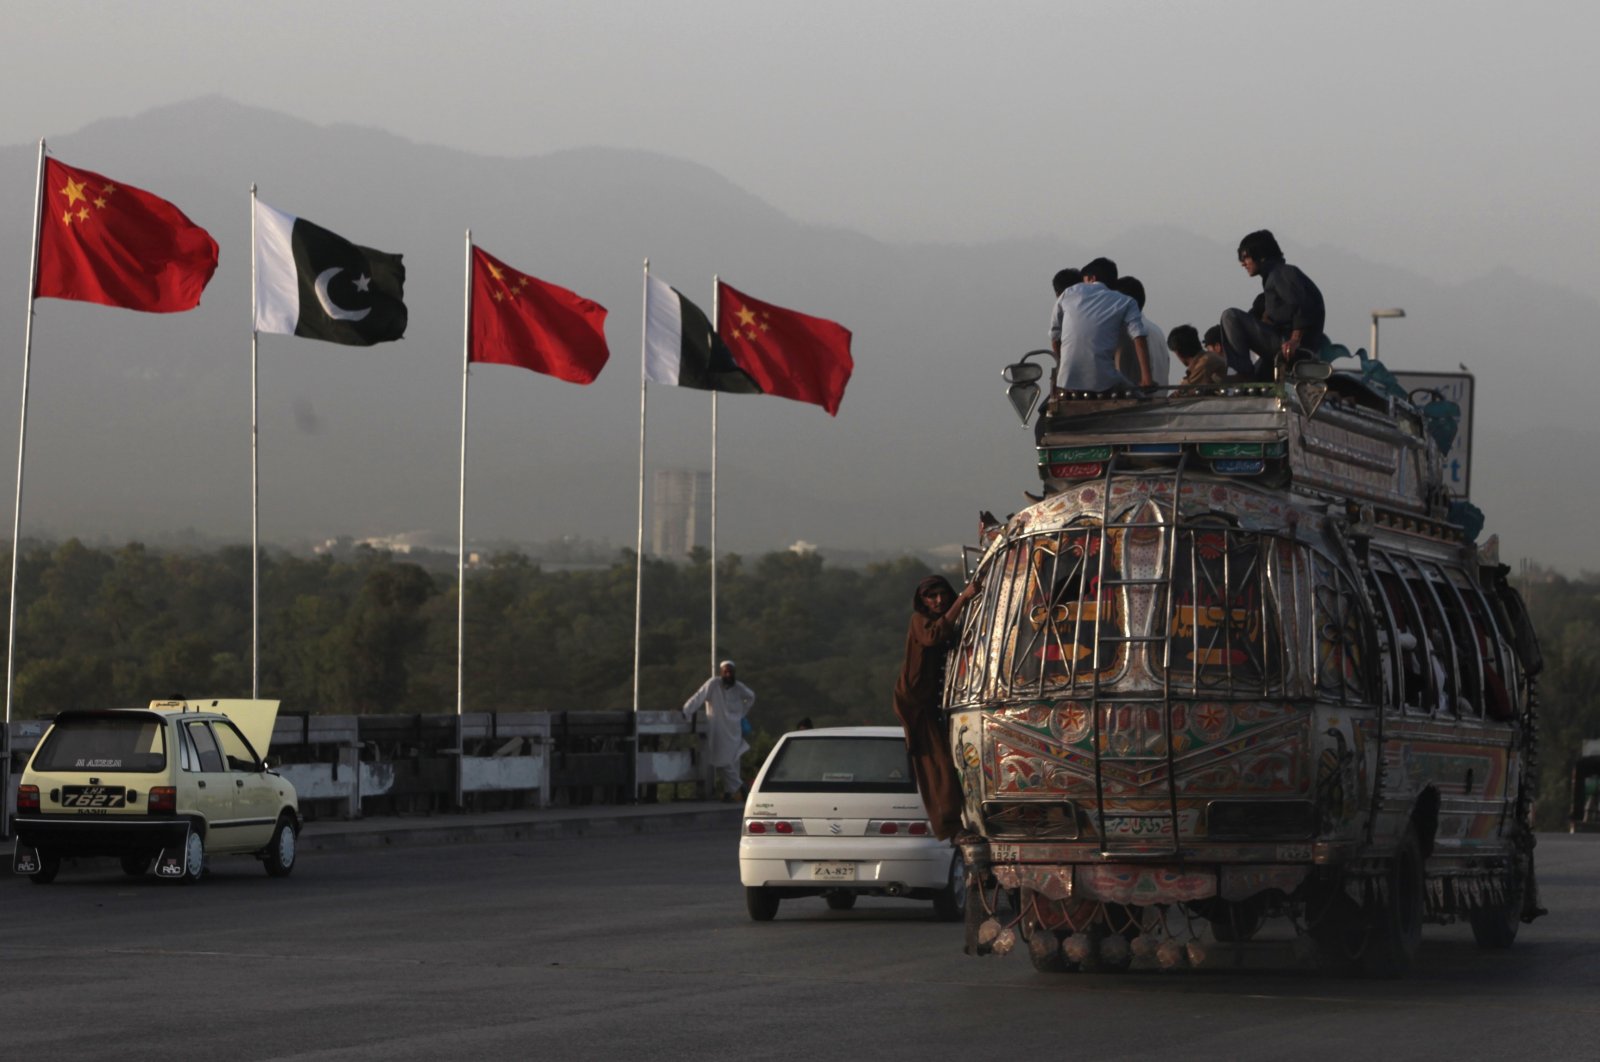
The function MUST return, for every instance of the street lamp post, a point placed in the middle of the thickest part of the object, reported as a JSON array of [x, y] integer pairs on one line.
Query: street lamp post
[[1375, 315]]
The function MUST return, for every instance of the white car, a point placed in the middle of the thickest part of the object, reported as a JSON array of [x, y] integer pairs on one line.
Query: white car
[[167, 786], [835, 813]]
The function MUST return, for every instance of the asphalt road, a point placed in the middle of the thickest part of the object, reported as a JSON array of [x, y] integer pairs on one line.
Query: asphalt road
[[638, 947]]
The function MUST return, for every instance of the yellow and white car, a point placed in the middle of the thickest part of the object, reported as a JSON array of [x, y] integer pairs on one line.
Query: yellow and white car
[[167, 786]]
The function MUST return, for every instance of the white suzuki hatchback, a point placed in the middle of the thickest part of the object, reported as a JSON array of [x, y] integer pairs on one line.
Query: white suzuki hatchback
[[835, 813]]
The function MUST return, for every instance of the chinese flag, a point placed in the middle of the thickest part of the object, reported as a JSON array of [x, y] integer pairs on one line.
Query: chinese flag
[[100, 241], [520, 320], [788, 353]]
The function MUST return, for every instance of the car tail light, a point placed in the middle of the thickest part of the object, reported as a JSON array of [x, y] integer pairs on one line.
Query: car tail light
[[896, 827], [163, 798], [27, 798], [784, 826]]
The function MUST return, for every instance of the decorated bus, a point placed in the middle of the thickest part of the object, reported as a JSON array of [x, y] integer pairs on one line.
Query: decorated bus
[[1243, 662]]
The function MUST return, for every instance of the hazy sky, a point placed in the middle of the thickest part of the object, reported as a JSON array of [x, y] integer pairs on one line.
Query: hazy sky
[[1444, 136]]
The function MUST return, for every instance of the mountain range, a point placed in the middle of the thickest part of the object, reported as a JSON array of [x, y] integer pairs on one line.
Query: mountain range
[[139, 424]]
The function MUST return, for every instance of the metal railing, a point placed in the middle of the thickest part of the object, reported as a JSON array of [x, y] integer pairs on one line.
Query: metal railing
[[347, 766]]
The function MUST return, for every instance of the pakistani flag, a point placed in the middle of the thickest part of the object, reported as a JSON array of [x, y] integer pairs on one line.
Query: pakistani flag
[[312, 283], [681, 348]]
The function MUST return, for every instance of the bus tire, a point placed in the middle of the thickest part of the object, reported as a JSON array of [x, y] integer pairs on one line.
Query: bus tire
[[1395, 934]]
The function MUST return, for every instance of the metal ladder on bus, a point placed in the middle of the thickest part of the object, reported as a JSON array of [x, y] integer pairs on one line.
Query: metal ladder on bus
[[1165, 823]]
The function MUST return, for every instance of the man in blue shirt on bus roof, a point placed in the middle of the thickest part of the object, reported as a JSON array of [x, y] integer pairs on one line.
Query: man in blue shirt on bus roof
[[1086, 328]]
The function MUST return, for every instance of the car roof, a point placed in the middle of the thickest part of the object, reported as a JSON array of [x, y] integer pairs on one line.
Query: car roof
[[848, 731], [254, 718], [162, 713]]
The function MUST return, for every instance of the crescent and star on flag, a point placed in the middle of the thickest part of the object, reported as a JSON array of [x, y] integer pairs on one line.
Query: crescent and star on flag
[[333, 309], [79, 192]]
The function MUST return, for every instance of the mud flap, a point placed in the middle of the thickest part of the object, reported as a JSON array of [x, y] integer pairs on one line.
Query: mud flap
[[25, 860], [170, 861], [1531, 907]]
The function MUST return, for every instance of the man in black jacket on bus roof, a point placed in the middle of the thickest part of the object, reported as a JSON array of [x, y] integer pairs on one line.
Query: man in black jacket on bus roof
[[1286, 317]]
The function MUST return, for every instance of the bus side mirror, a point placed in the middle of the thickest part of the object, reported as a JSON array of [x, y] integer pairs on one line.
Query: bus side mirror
[[1022, 384]]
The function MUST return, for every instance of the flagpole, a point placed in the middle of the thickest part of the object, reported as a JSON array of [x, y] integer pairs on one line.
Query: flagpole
[[255, 471], [715, 309], [6, 794], [461, 524], [638, 537]]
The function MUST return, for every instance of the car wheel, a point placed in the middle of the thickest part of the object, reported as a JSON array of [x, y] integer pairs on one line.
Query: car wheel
[[950, 902], [194, 858], [49, 867], [762, 903], [136, 866], [279, 856], [841, 900]]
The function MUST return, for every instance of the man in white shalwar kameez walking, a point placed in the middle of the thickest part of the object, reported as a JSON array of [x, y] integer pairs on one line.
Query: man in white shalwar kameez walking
[[726, 701]]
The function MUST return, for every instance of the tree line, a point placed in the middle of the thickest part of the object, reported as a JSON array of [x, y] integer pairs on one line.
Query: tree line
[[372, 632]]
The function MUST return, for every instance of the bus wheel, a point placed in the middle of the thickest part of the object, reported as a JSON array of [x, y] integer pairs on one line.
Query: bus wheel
[[1234, 922], [1396, 931]]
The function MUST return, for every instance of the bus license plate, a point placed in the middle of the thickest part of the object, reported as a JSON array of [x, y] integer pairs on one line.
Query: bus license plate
[[833, 872], [1149, 825]]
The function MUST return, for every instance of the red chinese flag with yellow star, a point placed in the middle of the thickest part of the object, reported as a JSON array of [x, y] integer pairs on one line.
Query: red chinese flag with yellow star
[[100, 241], [788, 353], [521, 320]]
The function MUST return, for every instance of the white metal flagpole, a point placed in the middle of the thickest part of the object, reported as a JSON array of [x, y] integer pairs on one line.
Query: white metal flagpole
[[16, 516], [7, 790], [638, 538], [461, 529], [715, 283], [255, 472], [461, 509]]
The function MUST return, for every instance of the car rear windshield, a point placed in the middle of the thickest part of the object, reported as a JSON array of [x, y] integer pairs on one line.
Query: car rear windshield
[[104, 743], [841, 765]]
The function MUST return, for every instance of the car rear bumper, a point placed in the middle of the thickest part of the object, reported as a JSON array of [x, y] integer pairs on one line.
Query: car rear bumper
[[102, 835], [793, 862]]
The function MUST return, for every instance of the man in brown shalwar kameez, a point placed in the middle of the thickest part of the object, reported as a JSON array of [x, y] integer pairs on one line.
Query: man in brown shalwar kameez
[[931, 636]]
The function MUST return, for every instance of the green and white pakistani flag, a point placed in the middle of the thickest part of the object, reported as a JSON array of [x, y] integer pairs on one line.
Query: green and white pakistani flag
[[310, 282], [682, 349]]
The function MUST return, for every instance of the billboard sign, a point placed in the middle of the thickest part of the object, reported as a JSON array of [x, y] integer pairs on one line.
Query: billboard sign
[[1455, 387]]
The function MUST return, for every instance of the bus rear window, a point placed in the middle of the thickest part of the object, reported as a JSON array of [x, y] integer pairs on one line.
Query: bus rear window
[[104, 743], [841, 765]]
